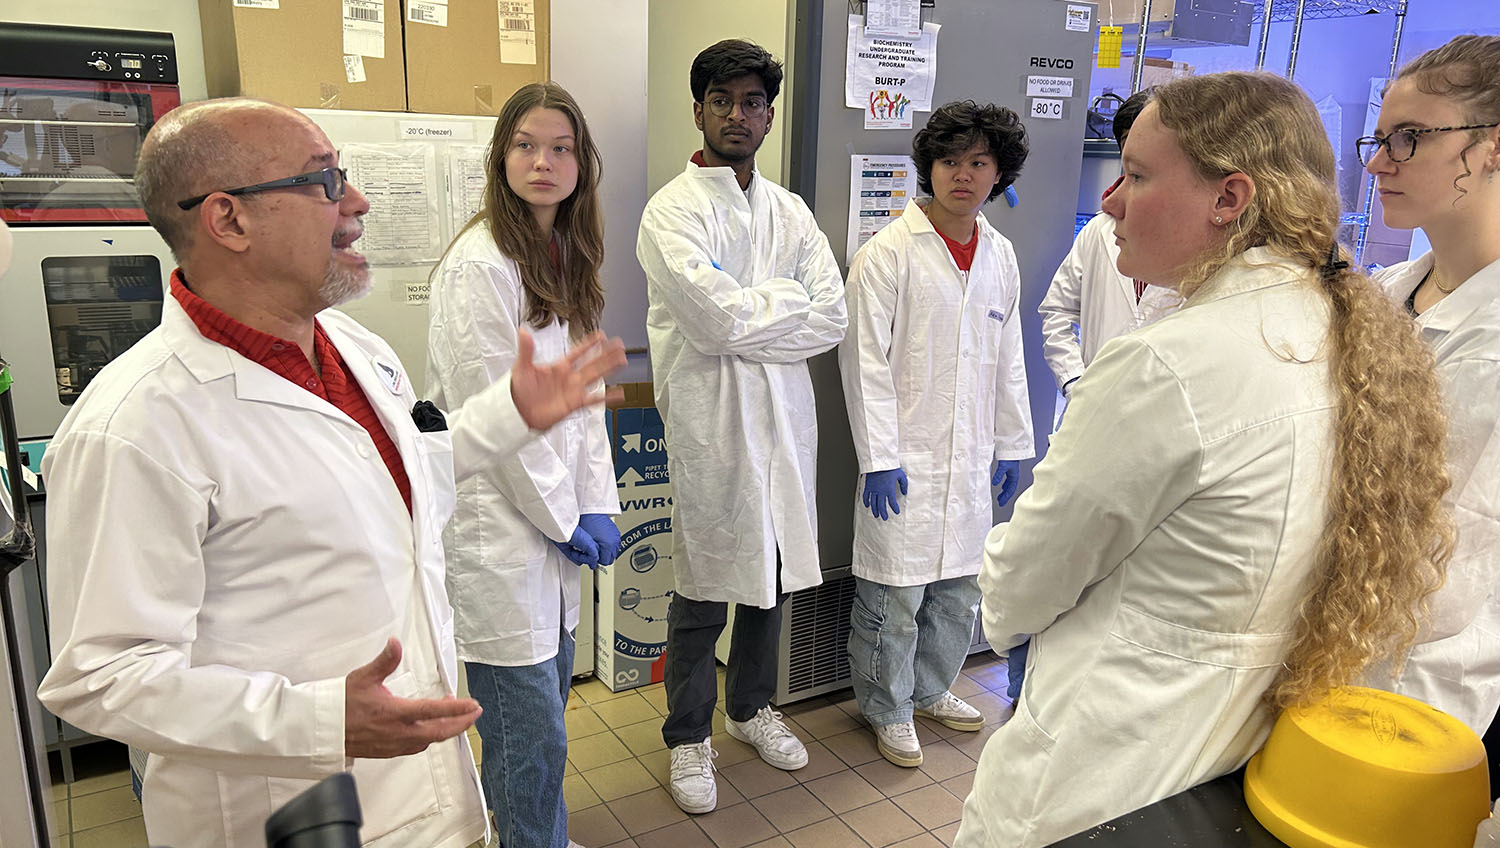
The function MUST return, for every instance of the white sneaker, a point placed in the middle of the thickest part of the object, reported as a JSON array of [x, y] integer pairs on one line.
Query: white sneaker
[[693, 786], [951, 711], [769, 735], [898, 743]]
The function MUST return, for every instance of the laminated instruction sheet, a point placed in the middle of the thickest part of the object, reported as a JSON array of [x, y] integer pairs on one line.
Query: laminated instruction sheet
[[879, 187], [402, 226]]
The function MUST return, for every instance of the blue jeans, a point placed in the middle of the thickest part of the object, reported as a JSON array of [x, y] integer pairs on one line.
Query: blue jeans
[[907, 644], [524, 746]]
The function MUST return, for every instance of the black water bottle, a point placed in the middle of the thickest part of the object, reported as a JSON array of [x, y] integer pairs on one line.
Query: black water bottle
[[325, 816]]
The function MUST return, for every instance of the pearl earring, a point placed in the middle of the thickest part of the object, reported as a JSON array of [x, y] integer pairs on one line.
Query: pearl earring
[[1218, 219]]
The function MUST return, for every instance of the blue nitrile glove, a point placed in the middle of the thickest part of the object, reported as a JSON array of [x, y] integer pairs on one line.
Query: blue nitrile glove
[[1016, 668], [604, 533], [1007, 477], [880, 492], [581, 549]]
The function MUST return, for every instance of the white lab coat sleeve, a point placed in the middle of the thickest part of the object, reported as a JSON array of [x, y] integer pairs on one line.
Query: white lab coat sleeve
[[715, 313], [597, 490], [865, 357], [1013, 431], [828, 318], [1127, 455], [1474, 464], [1060, 310], [124, 589], [477, 343], [486, 428]]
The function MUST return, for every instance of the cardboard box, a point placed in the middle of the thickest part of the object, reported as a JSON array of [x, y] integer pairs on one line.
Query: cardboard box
[[459, 68], [292, 52], [634, 592]]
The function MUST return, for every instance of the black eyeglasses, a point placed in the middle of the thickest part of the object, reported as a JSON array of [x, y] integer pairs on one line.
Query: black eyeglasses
[[751, 107], [1401, 145], [332, 180]]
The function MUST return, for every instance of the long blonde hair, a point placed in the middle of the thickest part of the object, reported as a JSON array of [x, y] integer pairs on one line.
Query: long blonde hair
[[573, 293], [1387, 538]]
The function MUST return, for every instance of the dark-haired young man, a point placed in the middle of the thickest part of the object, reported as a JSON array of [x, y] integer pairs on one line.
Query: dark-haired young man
[[743, 290], [1089, 292], [935, 382]]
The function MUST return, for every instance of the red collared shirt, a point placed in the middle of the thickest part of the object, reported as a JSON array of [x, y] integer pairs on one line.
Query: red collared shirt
[[285, 358]]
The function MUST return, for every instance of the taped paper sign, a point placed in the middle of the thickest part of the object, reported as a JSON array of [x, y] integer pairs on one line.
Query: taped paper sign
[[898, 18], [903, 69], [364, 28], [1049, 86], [879, 187]]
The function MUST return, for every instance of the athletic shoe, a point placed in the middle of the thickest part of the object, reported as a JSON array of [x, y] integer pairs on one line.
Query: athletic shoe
[[951, 711], [768, 734], [898, 743], [693, 785]]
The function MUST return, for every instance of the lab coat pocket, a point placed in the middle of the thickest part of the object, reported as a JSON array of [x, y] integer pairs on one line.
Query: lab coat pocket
[[437, 452], [988, 321], [1025, 723], [393, 793]]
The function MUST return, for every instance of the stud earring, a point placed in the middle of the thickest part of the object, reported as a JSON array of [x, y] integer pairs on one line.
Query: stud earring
[[1218, 219]]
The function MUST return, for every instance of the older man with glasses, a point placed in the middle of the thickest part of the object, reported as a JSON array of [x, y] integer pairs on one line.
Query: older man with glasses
[[247, 506]]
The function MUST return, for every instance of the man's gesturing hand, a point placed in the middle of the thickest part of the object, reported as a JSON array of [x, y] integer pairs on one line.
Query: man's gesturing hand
[[378, 724], [545, 394]]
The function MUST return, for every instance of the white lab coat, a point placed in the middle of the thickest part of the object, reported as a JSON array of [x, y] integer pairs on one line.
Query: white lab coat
[[224, 548], [513, 591], [1089, 291], [1159, 558], [935, 383], [1456, 666], [729, 352]]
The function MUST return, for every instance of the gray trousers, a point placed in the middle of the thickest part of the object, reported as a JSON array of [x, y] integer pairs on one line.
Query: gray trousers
[[693, 629]]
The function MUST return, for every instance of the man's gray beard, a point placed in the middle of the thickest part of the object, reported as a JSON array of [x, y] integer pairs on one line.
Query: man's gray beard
[[341, 285]]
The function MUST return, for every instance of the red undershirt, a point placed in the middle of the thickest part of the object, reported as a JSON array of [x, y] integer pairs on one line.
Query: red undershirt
[[284, 358], [963, 254]]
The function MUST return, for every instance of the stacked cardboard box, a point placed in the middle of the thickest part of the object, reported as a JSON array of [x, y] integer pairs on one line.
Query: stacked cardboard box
[[463, 57], [633, 594], [312, 54], [467, 59]]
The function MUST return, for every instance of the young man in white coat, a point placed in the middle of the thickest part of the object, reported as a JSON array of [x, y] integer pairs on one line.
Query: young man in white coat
[[743, 290], [935, 381], [248, 506], [1088, 292]]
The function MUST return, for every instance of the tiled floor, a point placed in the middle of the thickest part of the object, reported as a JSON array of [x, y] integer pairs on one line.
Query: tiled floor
[[846, 796]]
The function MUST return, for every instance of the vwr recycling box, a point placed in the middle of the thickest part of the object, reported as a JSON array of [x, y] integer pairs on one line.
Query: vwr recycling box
[[633, 594]]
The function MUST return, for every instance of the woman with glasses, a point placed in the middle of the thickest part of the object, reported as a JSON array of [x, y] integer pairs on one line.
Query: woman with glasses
[[1434, 158], [1276, 519], [530, 259]]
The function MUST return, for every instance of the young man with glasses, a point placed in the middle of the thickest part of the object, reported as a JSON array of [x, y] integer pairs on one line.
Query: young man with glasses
[[743, 289], [248, 507]]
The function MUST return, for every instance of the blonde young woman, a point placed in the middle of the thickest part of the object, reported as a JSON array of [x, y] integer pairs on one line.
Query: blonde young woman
[[1434, 156], [1276, 519], [520, 533]]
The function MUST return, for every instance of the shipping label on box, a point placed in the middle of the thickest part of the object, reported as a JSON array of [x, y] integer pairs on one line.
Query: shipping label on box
[[634, 592]]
